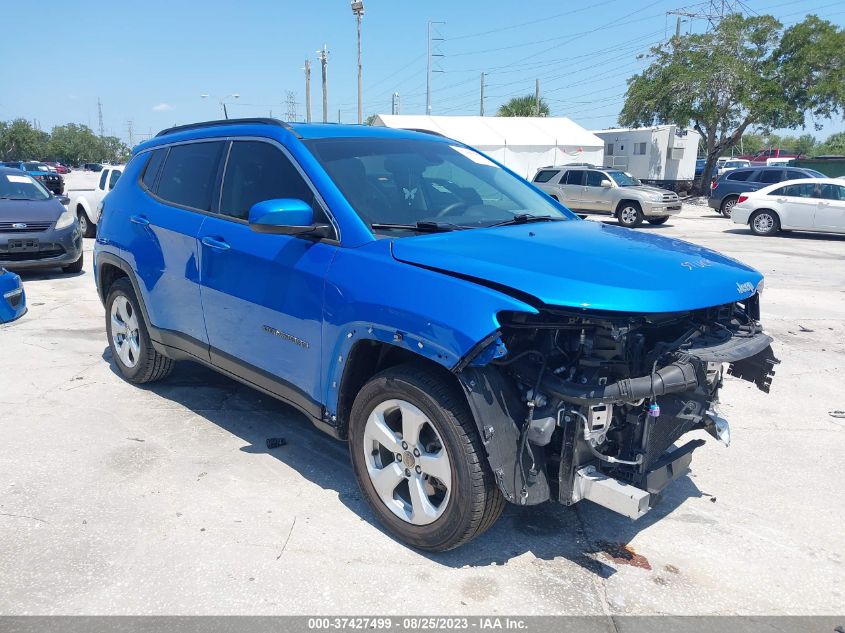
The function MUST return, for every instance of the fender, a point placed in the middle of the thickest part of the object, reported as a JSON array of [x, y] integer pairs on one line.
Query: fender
[[79, 200], [434, 315]]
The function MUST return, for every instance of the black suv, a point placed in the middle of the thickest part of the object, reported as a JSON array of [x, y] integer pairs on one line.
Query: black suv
[[725, 191]]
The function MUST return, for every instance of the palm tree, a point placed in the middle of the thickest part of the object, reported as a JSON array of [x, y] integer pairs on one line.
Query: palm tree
[[523, 106]]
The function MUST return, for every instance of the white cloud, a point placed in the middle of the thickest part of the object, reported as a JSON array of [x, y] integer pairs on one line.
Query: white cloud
[[162, 107]]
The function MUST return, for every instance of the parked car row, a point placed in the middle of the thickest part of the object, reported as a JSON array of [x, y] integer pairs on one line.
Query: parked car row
[[41, 172], [725, 191]]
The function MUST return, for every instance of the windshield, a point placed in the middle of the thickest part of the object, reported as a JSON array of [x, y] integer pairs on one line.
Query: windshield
[[21, 187], [402, 182], [815, 174], [35, 167], [624, 180]]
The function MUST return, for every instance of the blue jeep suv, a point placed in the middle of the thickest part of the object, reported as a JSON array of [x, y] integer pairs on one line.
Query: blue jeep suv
[[473, 340]]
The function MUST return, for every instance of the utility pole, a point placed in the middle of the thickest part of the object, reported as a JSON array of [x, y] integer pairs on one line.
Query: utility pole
[[308, 90], [324, 60], [481, 104], [428, 69], [536, 97], [338, 115], [394, 104], [358, 11], [678, 27], [100, 116]]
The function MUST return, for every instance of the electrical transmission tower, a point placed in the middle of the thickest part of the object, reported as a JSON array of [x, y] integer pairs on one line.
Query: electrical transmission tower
[[290, 101], [100, 116], [714, 11], [131, 131]]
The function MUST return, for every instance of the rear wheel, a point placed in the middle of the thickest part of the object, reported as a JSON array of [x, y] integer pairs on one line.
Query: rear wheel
[[764, 222], [660, 220], [419, 460], [728, 205], [129, 340], [630, 214]]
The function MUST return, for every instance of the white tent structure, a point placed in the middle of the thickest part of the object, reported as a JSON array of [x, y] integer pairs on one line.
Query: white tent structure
[[523, 144]]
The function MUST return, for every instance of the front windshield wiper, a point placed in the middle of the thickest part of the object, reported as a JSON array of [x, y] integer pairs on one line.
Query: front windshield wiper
[[525, 218], [422, 226]]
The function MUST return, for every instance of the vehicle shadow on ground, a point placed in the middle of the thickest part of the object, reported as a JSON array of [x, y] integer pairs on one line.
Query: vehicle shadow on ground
[[39, 274], [793, 235], [585, 534]]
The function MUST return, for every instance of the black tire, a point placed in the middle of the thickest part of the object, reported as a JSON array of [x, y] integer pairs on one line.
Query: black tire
[[474, 501], [630, 214], [660, 220], [75, 267], [727, 206], [150, 365], [87, 227], [764, 223]]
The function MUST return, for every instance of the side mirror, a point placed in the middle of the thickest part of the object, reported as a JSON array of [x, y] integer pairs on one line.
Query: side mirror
[[286, 216], [64, 200], [606, 183]]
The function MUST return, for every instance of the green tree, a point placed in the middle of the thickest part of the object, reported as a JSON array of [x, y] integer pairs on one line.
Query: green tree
[[752, 143], [748, 72], [806, 145], [74, 143], [523, 106], [112, 150], [835, 144], [19, 140]]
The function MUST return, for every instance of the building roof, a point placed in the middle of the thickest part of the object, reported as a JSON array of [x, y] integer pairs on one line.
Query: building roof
[[498, 131]]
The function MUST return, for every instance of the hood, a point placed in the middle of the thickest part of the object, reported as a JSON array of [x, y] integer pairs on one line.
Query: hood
[[30, 210], [648, 189], [586, 264]]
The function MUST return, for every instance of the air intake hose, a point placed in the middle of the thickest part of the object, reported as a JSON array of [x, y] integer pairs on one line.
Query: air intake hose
[[674, 378]]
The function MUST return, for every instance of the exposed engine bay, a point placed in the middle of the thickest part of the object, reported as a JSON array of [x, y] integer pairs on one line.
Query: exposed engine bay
[[597, 400]]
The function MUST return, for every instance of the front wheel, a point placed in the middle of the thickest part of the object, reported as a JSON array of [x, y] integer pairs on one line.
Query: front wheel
[[764, 223], [75, 267], [660, 220], [419, 461], [630, 214]]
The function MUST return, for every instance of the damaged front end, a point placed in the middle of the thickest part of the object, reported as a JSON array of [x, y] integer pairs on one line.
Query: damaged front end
[[578, 405]]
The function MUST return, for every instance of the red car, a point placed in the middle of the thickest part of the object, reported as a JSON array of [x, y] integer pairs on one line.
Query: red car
[[60, 169], [761, 157]]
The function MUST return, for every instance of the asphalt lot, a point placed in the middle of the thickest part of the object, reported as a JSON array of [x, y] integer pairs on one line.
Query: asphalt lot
[[116, 499]]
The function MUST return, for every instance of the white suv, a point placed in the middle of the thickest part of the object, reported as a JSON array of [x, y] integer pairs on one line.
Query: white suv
[[596, 189]]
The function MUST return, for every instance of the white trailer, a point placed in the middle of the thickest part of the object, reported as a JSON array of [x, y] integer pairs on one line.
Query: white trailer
[[663, 155]]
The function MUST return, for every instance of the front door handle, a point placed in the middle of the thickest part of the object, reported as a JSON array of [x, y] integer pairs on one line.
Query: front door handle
[[781, 199], [218, 245], [140, 220]]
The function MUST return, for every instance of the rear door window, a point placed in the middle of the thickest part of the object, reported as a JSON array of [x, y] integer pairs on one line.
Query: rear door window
[[770, 176], [189, 175], [574, 177], [803, 190], [103, 177]]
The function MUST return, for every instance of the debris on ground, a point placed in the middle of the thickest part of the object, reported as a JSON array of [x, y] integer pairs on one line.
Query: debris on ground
[[624, 554], [836, 413], [275, 442]]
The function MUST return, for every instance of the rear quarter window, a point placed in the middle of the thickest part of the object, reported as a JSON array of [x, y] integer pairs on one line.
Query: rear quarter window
[[545, 176], [155, 159], [739, 175]]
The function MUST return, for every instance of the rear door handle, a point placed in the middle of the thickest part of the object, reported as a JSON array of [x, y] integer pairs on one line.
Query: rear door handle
[[139, 219], [781, 199], [218, 245]]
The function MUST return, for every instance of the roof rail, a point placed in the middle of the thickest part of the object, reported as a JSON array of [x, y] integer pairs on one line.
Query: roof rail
[[222, 122], [423, 131]]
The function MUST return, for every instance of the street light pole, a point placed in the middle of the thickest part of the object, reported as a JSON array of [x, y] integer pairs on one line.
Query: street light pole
[[358, 11], [222, 102]]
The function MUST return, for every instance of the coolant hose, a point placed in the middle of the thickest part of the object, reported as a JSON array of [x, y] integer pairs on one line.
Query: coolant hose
[[674, 378]]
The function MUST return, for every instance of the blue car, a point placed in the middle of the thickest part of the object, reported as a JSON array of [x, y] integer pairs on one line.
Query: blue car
[[12, 296], [472, 339]]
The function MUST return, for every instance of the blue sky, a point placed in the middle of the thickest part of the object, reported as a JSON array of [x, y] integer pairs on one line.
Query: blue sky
[[150, 62]]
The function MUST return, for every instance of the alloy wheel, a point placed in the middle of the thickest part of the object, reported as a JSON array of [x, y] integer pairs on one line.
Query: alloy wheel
[[764, 223], [83, 223], [407, 462], [124, 331], [727, 207], [629, 215]]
